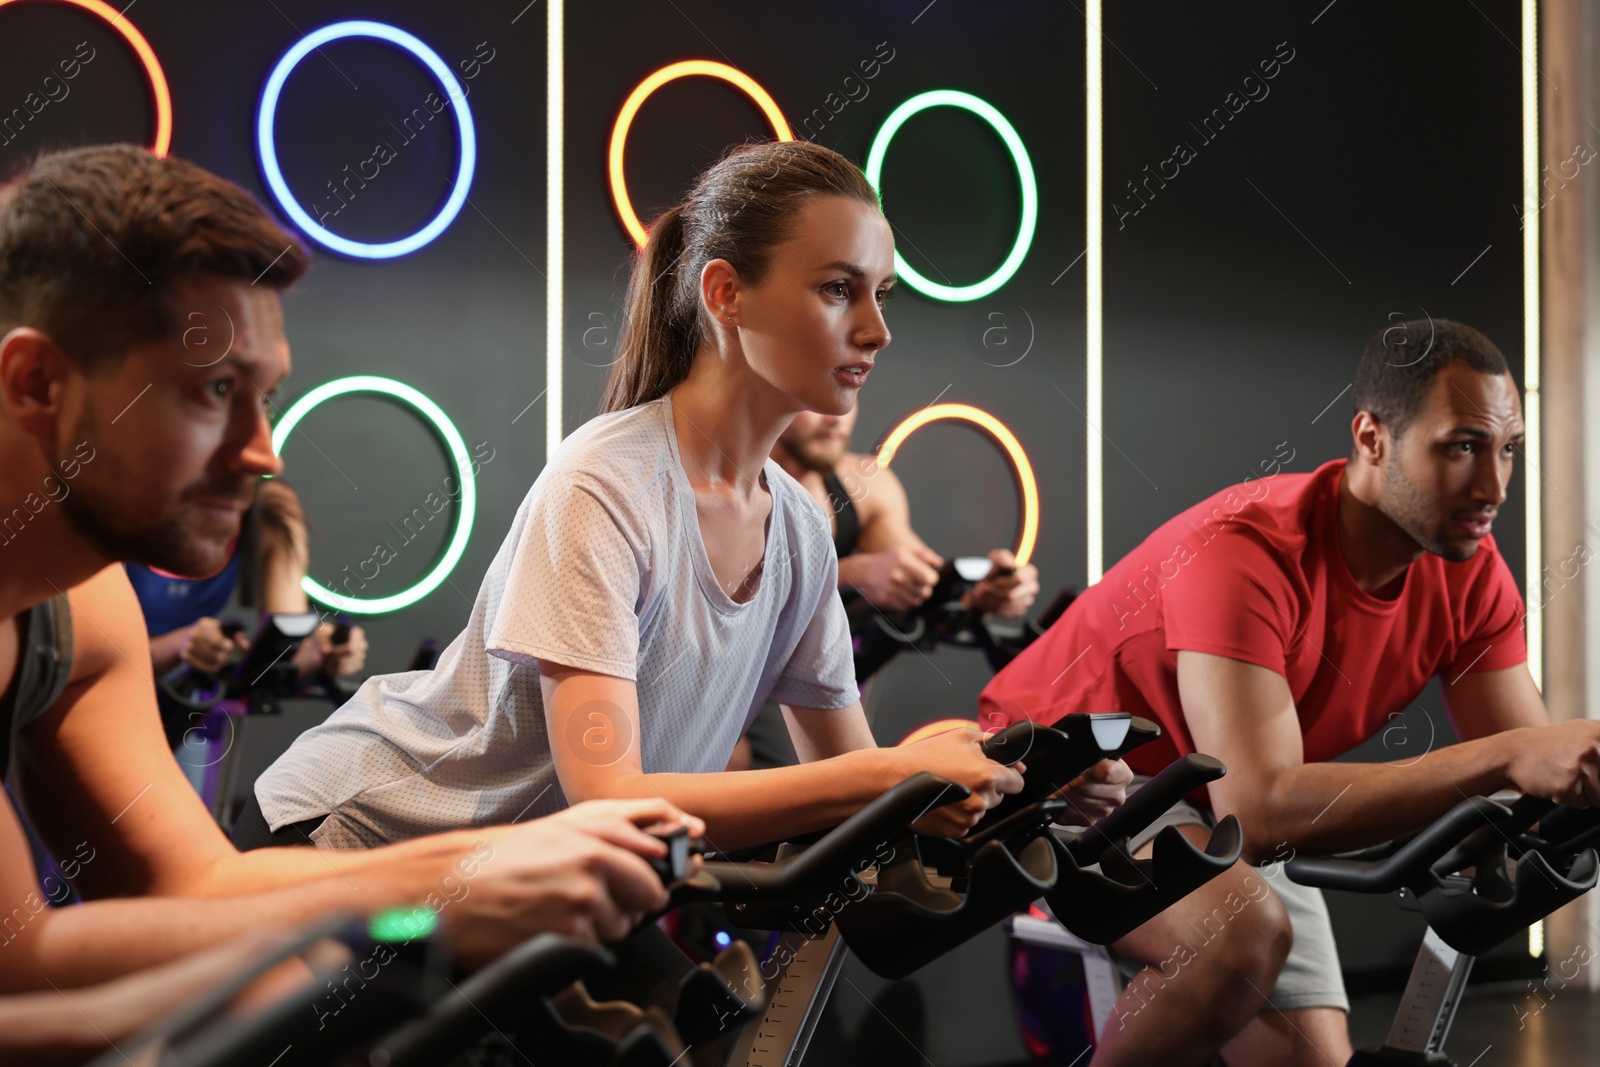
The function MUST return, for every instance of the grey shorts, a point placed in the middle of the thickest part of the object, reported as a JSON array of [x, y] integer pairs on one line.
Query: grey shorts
[[1311, 977]]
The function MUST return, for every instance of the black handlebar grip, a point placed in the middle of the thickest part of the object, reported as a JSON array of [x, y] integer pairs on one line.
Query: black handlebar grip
[[1011, 744], [1525, 811], [818, 870], [1411, 866], [1148, 803], [672, 867]]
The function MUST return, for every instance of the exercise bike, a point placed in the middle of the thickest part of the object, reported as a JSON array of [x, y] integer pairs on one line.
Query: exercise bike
[[210, 707], [1480, 874], [896, 898], [878, 636]]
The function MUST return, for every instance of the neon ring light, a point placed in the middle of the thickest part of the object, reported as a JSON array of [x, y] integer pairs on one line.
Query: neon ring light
[[937, 727], [454, 444], [996, 431], [147, 56], [269, 152], [1019, 156], [636, 99]]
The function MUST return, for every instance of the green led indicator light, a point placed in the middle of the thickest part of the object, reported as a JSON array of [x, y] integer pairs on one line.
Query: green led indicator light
[[403, 924]]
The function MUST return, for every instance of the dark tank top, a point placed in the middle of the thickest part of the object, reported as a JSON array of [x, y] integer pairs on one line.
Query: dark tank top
[[44, 662], [846, 523]]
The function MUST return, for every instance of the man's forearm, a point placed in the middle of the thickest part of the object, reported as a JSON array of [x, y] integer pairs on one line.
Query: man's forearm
[[849, 570], [106, 939], [402, 873], [166, 650], [1320, 808], [68, 1025]]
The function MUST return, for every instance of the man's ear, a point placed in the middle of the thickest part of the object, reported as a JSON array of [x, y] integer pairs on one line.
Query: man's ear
[[33, 373], [1370, 438]]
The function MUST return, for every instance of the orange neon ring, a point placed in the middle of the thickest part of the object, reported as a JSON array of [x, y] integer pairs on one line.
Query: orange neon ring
[[636, 99], [996, 430], [147, 55], [937, 727]]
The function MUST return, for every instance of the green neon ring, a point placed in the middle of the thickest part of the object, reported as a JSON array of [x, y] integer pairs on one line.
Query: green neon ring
[[454, 444], [1019, 156]]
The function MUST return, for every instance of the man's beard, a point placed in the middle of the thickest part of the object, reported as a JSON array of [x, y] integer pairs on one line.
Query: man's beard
[[136, 537], [1413, 512], [137, 533]]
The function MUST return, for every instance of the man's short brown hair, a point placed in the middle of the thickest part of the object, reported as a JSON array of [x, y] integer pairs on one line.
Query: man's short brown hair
[[92, 239]]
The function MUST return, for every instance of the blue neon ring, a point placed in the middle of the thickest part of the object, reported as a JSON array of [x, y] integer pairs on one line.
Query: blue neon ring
[[269, 154]]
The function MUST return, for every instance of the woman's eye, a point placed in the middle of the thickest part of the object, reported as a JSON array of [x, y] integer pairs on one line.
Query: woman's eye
[[219, 388], [839, 289]]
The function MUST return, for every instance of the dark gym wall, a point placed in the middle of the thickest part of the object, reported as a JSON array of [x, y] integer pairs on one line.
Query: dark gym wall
[[1372, 178], [1352, 189]]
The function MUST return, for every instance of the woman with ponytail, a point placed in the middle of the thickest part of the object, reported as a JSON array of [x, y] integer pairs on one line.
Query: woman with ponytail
[[664, 577]]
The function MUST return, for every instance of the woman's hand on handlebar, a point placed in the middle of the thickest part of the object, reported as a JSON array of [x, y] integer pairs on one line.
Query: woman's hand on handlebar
[[580, 872], [318, 654], [1096, 793], [958, 755], [206, 648]]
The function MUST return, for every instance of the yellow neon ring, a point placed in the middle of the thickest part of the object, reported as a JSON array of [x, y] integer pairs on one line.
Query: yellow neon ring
[[1001, 436], [672, 72], [147, 55]]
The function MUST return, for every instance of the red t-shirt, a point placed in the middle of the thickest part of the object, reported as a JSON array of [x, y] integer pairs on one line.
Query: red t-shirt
[[1255, 573]]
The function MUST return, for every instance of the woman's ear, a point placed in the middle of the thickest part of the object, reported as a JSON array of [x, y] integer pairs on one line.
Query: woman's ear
[[720, 287]]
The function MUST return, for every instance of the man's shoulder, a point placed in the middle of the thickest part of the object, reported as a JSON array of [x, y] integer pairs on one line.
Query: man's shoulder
[[866, 482], [107, 625], [1282, 513]]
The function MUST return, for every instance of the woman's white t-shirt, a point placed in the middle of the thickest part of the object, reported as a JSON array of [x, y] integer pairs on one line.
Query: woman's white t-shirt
[[605, 570]]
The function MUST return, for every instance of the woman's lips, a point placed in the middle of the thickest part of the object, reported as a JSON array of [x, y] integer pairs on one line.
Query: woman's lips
[[854, 375]]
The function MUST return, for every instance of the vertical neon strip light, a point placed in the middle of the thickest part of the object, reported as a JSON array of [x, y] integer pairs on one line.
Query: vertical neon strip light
[[1093, 310], [555, 195], [1530, 332], [1530, 362]]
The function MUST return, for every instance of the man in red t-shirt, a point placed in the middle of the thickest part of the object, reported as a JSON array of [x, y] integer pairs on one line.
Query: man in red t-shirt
[[1281, 623]]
